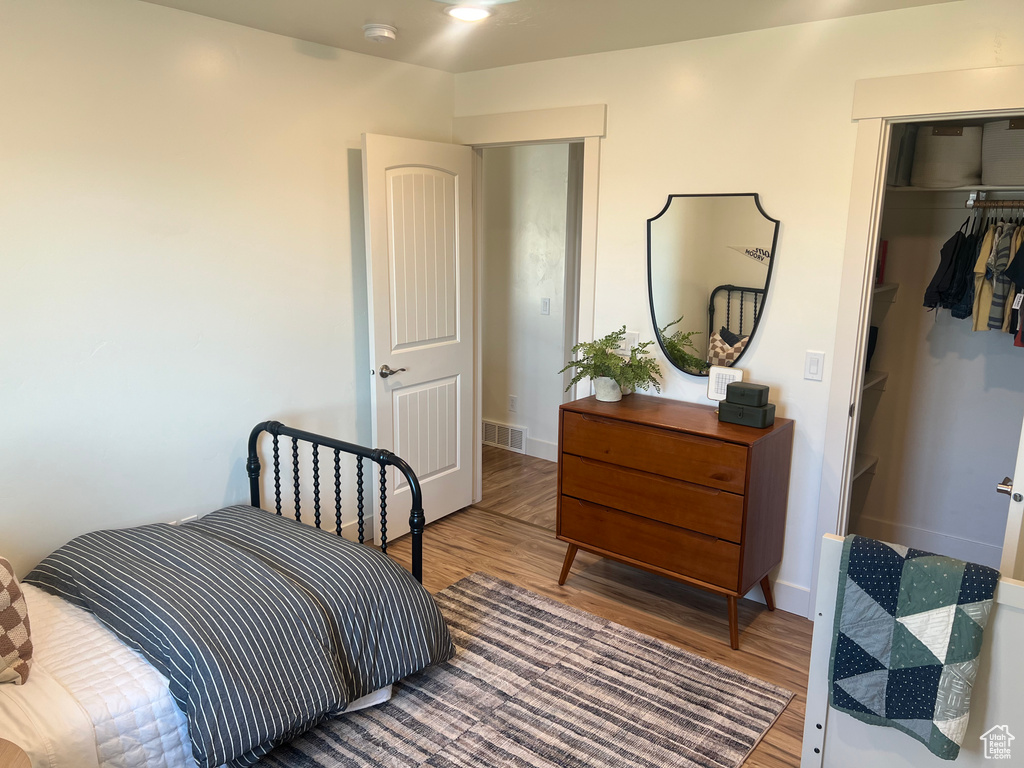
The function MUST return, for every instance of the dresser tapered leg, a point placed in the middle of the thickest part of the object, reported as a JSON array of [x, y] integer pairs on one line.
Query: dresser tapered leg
[[766, 588], [734, 624], [570, 555]]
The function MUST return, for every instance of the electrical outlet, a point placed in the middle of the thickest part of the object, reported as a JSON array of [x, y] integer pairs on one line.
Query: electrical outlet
[[545, 306], [513, 403], [631, 339]]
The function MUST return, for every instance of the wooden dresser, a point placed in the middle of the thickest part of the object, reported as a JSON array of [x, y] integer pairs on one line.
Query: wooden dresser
[[664, 486]]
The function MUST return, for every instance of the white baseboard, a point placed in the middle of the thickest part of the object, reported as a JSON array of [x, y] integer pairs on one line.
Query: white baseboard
[[791, 598], [350, 531], [541, 449], [930, 541]]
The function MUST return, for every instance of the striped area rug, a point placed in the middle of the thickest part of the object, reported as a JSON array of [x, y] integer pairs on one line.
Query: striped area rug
[[538, 684]]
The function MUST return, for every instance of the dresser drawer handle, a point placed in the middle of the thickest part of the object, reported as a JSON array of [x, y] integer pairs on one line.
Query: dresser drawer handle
[[667, 432], [691, 486], [598, 419], [705, 536]]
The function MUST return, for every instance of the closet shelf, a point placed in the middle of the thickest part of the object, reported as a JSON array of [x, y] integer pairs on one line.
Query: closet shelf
[[874, 379], [864, 463], [972, 188], [886, 289]]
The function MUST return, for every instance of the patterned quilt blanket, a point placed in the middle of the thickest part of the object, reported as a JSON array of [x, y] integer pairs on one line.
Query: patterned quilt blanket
[[907, 636]]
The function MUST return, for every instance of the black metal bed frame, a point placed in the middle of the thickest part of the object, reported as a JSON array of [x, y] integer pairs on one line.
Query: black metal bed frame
[[384, 459], [758, 294]]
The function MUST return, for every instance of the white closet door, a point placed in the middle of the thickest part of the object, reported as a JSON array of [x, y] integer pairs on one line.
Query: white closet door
[[1012, 563], [419, 234]]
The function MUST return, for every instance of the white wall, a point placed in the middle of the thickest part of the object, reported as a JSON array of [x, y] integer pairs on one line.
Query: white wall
[[524, 225], [181, 254], [767, 112], [947, 425]]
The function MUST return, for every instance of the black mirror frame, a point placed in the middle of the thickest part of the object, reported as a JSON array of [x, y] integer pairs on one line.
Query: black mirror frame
[[767, 280]]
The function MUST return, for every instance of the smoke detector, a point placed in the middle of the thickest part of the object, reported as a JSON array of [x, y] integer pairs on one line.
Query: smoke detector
[[380, 33]]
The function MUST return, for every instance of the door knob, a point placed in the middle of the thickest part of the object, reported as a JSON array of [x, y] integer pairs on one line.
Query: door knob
[[1006, 486], [385, 371]]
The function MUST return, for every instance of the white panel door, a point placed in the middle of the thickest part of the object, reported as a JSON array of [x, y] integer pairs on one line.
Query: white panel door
[[419, 234], [1012, 562]]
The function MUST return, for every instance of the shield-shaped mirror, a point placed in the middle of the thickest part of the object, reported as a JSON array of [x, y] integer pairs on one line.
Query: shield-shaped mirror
[[709, 263]]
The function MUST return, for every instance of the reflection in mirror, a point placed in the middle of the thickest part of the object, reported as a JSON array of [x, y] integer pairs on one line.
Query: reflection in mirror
[[709, 259]]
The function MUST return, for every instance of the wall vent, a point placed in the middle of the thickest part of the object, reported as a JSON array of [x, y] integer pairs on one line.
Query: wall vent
[[505, 436]]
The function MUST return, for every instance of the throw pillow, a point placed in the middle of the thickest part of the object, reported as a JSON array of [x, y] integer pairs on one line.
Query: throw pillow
[[15, 635], [721, 352], [730, 338]]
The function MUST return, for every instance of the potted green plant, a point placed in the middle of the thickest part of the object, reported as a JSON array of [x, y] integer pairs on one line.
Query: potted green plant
[[603, 361], [676, 345], [638, 371]]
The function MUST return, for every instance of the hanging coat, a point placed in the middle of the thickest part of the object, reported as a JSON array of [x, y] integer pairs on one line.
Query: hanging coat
[[962, 300], [983, 278], [1010, 319], [937, 292], [1000, 282]]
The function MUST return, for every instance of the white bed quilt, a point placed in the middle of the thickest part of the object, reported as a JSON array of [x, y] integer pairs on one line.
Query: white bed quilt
[[84, 673], [136, 722]]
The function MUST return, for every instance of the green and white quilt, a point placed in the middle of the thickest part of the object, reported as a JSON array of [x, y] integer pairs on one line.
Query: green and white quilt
[[907, 636]]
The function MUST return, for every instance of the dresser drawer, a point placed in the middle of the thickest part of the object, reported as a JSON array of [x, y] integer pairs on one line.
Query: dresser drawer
[[697, 507], [673, 454], [649, 541]]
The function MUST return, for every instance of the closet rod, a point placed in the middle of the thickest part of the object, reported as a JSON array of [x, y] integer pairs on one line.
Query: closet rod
[[995, 204], [978, 199]]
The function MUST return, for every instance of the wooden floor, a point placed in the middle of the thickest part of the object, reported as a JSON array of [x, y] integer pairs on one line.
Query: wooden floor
[[519, 486], [774, 646]]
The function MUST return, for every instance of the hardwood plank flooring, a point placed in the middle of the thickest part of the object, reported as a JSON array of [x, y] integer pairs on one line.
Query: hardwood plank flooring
[[774, 646], [519, 486], [13, 756]]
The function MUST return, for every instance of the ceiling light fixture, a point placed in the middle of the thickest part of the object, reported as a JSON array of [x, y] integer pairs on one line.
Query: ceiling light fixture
[[380, 33], [467, 13]]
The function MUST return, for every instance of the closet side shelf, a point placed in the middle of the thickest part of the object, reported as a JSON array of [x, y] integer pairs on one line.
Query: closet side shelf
[[874, 379], [864, 463], [887, 290]]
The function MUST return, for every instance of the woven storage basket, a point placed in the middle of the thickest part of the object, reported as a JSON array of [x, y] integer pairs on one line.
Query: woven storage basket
[[1002, 155], [947, 161]]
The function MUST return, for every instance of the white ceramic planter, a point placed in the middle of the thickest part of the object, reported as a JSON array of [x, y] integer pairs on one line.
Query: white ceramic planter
[[607, 389]]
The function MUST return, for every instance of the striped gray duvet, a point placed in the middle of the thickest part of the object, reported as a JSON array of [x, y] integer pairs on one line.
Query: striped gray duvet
[[264, 627]]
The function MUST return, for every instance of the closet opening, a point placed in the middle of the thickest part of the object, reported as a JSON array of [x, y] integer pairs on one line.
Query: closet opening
[[531, 215], [942, 399]]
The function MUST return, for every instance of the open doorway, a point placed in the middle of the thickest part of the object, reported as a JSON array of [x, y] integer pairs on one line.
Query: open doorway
[[942, 398], [529, 291], [879, 105]]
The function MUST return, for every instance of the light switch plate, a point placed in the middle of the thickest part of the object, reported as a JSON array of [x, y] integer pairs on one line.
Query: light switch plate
[[545, 306], [814, 366], [631, 340]]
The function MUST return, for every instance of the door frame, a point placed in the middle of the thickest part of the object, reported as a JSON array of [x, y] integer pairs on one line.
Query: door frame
[[878, 103], [586, 125]]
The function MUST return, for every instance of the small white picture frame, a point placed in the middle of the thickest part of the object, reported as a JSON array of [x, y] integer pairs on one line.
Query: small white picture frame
[[720, 377]]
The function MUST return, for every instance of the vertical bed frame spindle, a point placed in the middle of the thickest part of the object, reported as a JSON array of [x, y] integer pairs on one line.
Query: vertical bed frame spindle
[[384, 459]]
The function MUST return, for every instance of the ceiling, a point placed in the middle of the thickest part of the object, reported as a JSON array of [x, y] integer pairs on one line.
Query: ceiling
[[523, 30]]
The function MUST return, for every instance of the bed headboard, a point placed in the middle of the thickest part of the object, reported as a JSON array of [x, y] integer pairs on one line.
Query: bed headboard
[[333, 450], [740, 305]]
